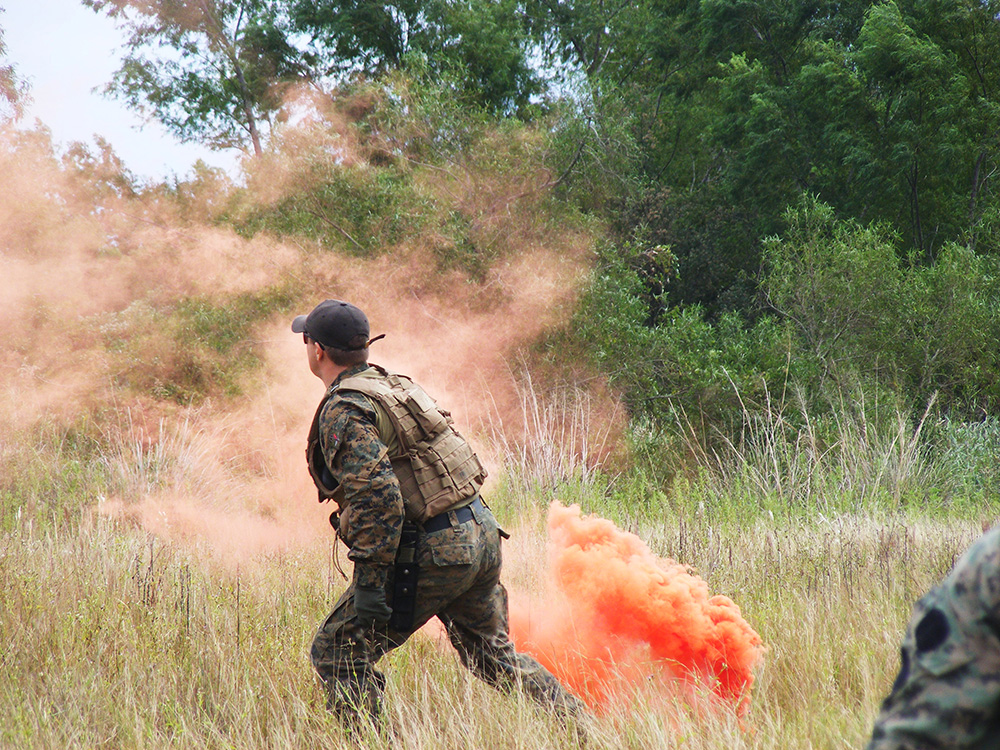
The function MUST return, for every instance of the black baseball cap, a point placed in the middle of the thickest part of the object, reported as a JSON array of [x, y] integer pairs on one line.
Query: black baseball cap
[[335, 323]]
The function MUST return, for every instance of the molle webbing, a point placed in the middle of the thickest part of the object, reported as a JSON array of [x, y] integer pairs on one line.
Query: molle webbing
[[436, 468]]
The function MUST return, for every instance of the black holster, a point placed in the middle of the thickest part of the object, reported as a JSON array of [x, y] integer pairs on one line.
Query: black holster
[[404, 585]]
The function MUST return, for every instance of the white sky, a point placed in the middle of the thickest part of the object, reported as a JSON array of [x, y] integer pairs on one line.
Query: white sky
[[64, 50]]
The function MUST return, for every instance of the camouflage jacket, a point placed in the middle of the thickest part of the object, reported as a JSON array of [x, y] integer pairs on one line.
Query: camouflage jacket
[[371, 507], [947, 694]]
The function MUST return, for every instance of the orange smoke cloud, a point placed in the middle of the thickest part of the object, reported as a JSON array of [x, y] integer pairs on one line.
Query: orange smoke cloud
[[621, 618]]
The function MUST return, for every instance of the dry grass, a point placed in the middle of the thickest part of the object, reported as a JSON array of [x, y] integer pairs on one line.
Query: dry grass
[[113, 639]]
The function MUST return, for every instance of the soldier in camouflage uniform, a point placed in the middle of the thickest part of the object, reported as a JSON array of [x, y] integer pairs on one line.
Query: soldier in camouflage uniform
[[352, 454], [947, 693]]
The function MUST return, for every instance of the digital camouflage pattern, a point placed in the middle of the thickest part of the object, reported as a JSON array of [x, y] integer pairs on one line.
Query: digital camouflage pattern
[[459, 576], [947, 693], [371, 506]]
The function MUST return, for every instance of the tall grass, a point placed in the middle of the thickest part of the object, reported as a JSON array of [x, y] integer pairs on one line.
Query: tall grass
[[859, 458], [110, 637]]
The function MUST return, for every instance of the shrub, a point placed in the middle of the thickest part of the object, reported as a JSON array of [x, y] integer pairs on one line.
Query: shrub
[[682, 367], [924, 331], [183, 353], [360, 209]]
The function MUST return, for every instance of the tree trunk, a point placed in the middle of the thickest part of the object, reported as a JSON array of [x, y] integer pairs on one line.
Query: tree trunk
[[248, 108], [229, 49]]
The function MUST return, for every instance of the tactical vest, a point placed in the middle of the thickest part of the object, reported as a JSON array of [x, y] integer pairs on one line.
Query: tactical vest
[[436, 468]]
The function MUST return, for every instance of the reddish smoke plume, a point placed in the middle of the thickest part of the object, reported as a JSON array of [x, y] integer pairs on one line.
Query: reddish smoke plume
[[621, 619]]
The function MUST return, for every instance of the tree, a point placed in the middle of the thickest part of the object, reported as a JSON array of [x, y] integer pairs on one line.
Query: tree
[[588, 34], [915, 125], [13, 90], [478, 46], [349, 36], [969, 31], [482, 46], [928, 330], [216, 70], [838, 283], [211, 70]]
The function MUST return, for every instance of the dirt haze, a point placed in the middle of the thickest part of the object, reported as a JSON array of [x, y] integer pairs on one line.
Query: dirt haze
[[91, 273]]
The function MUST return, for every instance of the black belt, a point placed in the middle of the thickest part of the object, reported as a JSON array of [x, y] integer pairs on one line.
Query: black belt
[[442, 521]]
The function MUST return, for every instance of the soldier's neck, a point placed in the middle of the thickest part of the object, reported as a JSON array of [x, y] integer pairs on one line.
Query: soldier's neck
[[329, 372]]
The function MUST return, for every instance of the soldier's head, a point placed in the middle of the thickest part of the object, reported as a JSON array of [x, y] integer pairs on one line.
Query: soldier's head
[[339, 329]]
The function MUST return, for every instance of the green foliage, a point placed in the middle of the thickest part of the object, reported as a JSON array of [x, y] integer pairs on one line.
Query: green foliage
[[363, 210], [951, 331], [199, 347], [587, 36], [967, 452], [596, 155], [840, 286], [926, 331], [785, 459], [481, 50], [216, 342], [714, 243], [13, 90], [480, 187], [913, 127], [418, 116], [346, 34], [48, 473], [852, 319], [680, 367], [888, 112], [210, 71], [479, 47]]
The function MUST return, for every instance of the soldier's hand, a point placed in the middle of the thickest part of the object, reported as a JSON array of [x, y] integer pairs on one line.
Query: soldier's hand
[[371, 607]]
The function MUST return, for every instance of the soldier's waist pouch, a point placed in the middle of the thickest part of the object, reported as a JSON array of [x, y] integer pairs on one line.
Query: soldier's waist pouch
[[463, 514]]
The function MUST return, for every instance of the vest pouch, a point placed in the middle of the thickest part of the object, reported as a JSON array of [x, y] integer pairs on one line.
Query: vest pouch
[[463, 463], [436, 468], [429, 419], [409, 489], [433, 480]]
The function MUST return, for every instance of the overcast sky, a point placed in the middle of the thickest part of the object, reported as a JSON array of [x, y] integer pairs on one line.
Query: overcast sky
[[64, 50]]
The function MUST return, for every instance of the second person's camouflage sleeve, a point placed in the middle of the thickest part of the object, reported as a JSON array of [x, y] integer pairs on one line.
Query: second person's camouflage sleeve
[[371, 513], [947, 693]]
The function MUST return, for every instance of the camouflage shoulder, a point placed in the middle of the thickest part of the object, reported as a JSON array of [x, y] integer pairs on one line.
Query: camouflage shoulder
[[978, 572], [348, 400], [341, 408]]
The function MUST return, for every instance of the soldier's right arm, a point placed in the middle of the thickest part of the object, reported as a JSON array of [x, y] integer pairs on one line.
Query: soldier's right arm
[[371, 513]]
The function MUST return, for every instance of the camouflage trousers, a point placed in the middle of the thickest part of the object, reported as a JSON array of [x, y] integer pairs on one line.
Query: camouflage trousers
[[460, 585]]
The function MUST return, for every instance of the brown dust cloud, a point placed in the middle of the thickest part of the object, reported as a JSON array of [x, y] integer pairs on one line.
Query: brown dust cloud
[[90, 270]]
